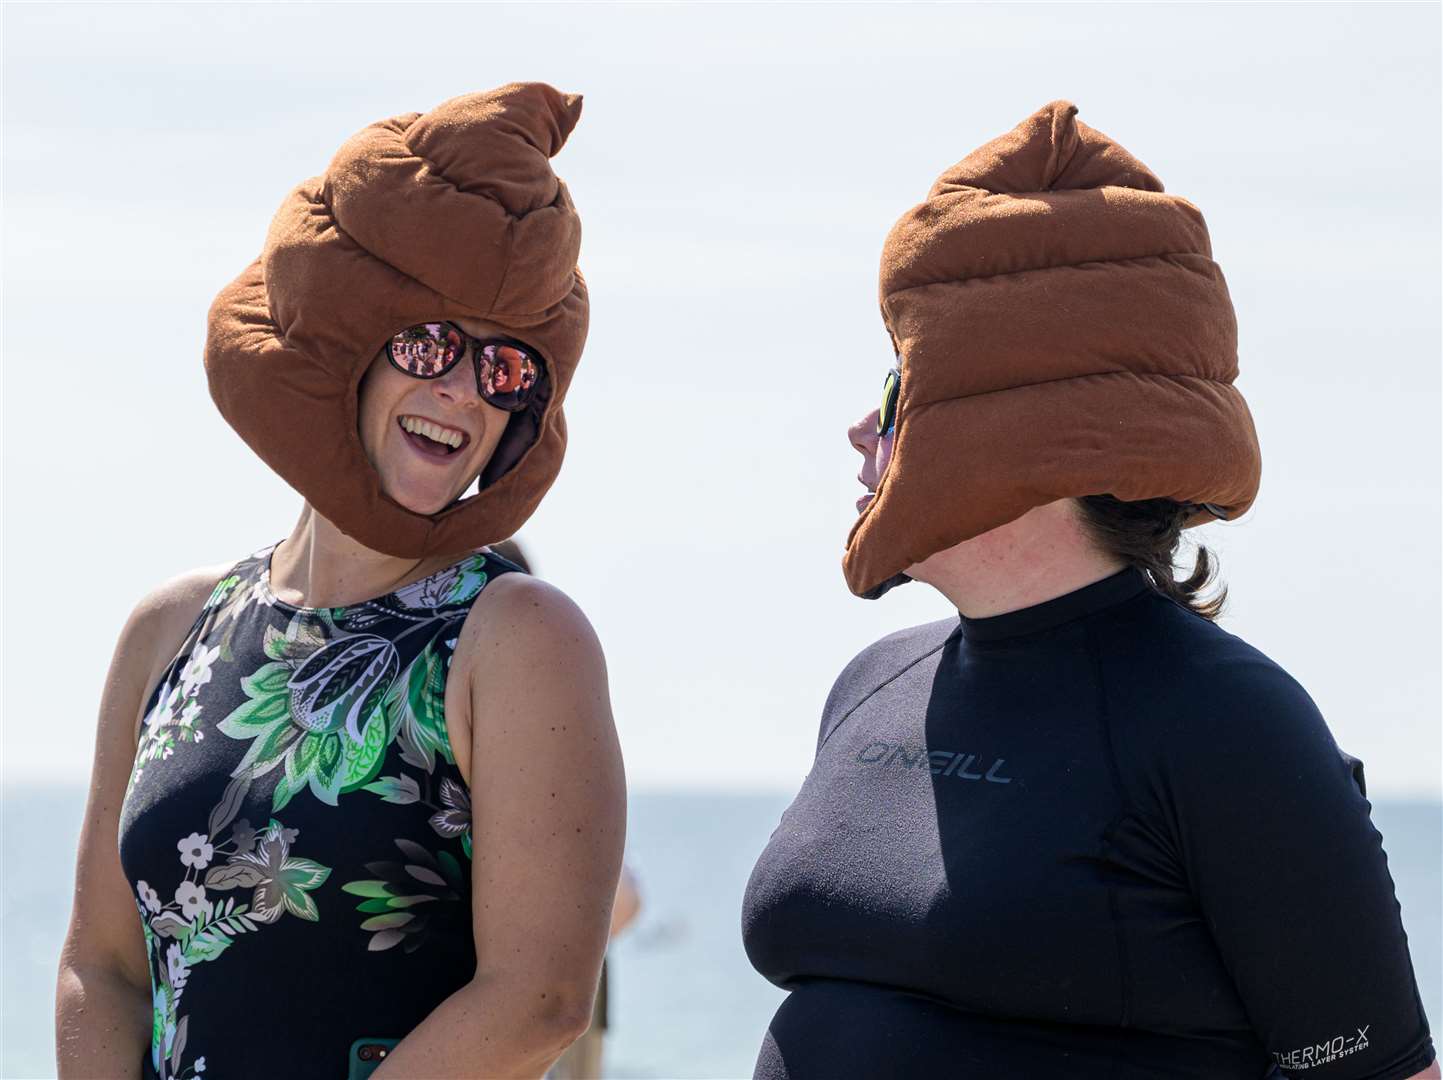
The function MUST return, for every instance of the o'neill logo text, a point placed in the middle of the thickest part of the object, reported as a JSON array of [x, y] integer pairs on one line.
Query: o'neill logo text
[[938, 762], [1338, 1046]]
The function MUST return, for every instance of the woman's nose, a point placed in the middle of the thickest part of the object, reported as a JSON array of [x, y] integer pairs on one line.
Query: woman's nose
[[863, 434], [458, 384]]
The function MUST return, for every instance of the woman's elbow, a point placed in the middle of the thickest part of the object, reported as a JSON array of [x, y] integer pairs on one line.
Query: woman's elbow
[[558, 1016], [570, 1014]]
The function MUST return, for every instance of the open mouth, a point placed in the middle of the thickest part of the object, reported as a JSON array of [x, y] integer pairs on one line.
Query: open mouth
[[430, 439]]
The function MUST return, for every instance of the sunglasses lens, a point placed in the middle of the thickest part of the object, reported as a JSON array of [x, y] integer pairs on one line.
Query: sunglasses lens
[[426, 350], [508, 376], [887, 414]]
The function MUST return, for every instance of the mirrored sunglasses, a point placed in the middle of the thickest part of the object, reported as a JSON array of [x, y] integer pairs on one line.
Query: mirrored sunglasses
[[507, 371]]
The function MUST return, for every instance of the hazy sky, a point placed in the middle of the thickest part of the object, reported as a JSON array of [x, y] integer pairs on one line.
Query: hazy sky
[[736, 168]]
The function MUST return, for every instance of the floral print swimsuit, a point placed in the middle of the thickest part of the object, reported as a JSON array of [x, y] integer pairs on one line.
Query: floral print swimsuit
[[296, 830]]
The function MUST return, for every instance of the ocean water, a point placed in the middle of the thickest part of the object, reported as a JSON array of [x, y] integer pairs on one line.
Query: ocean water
[[685, 1002]]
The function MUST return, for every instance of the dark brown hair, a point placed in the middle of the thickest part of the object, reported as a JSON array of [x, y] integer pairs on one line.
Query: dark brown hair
[[512, 551], [1147, 535]]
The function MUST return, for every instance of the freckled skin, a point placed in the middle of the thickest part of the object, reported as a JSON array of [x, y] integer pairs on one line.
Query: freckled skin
[[543, 927]]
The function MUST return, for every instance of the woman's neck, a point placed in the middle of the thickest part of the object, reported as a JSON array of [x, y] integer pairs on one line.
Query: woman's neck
[[317, 565], [1039, 556]]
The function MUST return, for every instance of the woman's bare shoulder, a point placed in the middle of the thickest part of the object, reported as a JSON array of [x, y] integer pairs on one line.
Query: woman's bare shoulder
[[159, 621], [516, 615], [182, 595], [519, 608], [100, 933]]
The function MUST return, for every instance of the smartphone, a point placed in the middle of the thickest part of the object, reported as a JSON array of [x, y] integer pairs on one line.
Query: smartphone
[[366, 1056]]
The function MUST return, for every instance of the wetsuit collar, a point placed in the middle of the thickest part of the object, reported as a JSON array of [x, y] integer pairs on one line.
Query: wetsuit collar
[[1111, 590]]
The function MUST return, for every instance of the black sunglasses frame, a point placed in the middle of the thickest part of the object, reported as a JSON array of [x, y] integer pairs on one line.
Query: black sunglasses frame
[[475, 345]]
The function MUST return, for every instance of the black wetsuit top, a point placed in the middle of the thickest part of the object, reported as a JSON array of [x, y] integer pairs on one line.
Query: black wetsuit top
[[1095, 837]]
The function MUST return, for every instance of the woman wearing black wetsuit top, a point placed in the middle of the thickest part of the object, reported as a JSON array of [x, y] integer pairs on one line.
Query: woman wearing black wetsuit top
[[1080, 830], [1091, 836]]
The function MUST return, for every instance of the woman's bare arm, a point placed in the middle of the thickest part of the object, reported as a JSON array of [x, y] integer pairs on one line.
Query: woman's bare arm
[[102, 994], [548, 799]]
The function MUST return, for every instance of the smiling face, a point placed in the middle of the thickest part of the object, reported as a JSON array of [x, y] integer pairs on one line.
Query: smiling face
[[409, 428], [876, 453]]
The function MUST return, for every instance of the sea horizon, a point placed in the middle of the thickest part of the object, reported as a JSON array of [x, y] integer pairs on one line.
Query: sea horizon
[[685, 1002]]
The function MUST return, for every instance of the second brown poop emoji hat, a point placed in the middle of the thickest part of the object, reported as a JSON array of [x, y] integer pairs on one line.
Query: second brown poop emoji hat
[[1062, 331], [418, 218]]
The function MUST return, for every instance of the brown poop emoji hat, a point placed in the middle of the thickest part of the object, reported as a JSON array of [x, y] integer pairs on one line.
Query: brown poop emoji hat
[[417, 218], [1062, 331]]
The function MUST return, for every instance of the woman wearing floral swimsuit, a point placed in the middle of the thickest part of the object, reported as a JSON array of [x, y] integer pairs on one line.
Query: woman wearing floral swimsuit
[[363, 785]]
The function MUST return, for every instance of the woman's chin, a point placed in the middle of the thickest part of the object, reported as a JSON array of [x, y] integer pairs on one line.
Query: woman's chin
[[419, 498]]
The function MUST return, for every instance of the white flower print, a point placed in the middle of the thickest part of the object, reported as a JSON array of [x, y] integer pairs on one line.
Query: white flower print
[[429, 592], [259, 593], [163, 715], [176, 967], [200, 1064], [192, 901], [196, 672], [196, 850], [199, 735], [190, 713], [149, 897]]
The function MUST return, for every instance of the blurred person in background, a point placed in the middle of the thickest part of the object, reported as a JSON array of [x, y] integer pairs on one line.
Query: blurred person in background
[[583, 1059], [323, 839], [1079, 830]]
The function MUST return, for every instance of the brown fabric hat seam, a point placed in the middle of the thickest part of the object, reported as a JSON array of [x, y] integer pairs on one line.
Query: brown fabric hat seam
[[1053, 266], [277, 331], [919, 406], [922, 406], [436, 171], [516, 320], [1060, 127], [505, 270], [491, 313], [273, 321], [368, 253], [502, 317]]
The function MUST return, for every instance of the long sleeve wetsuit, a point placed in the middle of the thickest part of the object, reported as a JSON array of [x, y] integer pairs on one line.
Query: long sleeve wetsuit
[[1096, 837]]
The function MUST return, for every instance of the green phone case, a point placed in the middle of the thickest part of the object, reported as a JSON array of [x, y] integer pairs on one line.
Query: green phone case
[[366, 1056]]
